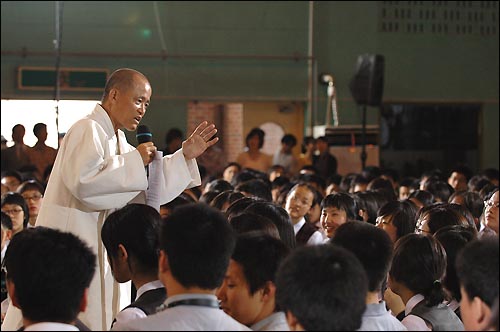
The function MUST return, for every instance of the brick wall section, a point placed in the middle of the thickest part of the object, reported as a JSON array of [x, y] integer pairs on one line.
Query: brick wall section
[[232, 121], [228, 119]]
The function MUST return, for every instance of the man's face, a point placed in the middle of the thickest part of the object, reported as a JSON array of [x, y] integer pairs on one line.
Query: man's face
[[130, 104], [235, 297]]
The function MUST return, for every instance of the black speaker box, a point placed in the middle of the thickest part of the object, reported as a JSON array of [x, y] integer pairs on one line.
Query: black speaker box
[[367, 85]]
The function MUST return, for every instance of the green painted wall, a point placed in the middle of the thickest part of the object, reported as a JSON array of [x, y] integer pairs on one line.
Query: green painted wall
[[419, 67]]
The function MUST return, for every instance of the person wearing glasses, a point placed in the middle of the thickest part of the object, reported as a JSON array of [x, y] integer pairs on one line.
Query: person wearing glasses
[[489, 226], [32, 192], [15, 207]]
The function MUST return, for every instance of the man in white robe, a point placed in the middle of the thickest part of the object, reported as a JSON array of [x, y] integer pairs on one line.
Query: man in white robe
[[96, 172]]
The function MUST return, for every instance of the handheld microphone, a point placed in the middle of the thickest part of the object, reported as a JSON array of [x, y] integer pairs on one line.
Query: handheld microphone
[[144, 135]]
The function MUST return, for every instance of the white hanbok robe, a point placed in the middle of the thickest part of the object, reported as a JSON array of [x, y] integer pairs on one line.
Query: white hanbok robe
[[95, 173]]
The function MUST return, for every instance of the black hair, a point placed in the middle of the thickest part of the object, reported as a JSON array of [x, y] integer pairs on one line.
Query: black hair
[[256, 132], [17, 199], [403, 215], [419, 263], [289, 139], [477, 269], [279, 217], [453, 239], [256, 188], [201, 236], [375, 254], [249, 222], [259, 256], [136, 227], [341, 201], [324, 287], [44, 262]]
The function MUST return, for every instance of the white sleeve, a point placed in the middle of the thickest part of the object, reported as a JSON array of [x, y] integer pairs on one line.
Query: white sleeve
[[315, 239], [125, 316], [179, 174]]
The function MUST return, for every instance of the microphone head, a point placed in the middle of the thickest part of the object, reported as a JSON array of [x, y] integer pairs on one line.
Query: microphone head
[[143, 134]]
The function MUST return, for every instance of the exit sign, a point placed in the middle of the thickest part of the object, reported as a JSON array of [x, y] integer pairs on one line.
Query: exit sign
[[70, 79]]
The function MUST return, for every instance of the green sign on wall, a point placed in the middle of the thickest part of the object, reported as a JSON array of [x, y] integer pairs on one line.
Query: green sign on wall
[[71, 79]]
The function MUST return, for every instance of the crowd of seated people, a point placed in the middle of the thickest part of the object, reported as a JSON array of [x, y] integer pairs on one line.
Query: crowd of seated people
[[270, 248]]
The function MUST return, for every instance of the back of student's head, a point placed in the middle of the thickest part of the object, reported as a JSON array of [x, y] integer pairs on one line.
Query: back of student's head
[[259, 255], [341, 201], [424, 197], [198, 241], [136, 227], [279, 217], [440, 189], [324, 287], [256, 188], [249, 222], [477, 269], [453, 239], [371, 245], [419, 263], [50, 270], [223, 199]]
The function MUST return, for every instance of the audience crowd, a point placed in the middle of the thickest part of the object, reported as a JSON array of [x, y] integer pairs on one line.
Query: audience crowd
[[266, 243]]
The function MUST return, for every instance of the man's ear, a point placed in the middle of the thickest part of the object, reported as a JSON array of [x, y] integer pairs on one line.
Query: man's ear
[[293, 323], [85, 300], [122, 253], [11, 289], [163, 264], [482, 313], [268, 291]]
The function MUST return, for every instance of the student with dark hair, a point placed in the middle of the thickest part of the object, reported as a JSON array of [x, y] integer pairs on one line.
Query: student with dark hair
[[11, 179], [249, 222], [130, 236], [239, 205], [279, 217], [416, 275], [256, 188], [477, 270], [491, 214], [254, 158], [196, 243], [337, 209], [32, 192], [230, 172], [453, 239], [14, 205], [48, 278], [368, 204], [322, 288], [182, 199], [173, 140], [439, 189], [223, 199], [284, 155], [375, 254], [299, 202], [248, 291], [397, 218], [406, 187], [472, 201], [430, 219], [421, 198], [459, 176]]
